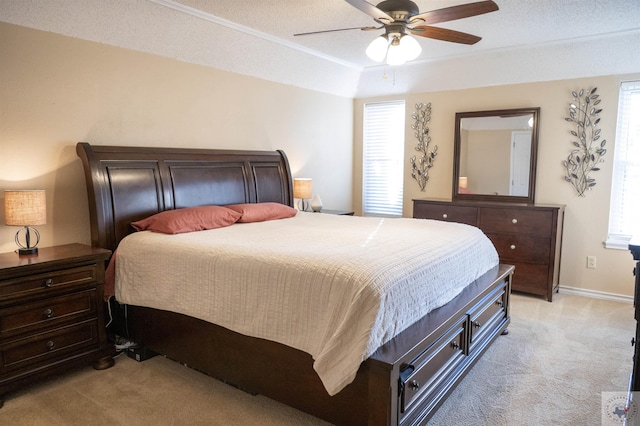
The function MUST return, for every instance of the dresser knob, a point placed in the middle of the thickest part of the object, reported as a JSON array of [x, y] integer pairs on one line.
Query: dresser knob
[[414, 385], [512, 246], [48, 313], [444, 216], [514, 221], [51, 344], [48, 283]]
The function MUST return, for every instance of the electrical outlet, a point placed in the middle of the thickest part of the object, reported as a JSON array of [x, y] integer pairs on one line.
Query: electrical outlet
[[591, 262]]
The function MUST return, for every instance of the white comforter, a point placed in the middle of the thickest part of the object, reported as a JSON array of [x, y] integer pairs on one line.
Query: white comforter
[[336, 287]]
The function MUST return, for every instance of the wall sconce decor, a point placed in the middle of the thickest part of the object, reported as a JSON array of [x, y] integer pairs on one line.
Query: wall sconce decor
[[26, 208], [302, 189], [588, 152], [420, 166]]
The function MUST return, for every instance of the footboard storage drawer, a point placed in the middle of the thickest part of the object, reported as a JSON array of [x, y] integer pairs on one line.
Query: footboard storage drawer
[[426, 377], [487, 316]]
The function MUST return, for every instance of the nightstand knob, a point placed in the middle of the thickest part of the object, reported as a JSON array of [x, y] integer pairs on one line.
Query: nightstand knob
[[48, 283], [51, 344], [48, 313]]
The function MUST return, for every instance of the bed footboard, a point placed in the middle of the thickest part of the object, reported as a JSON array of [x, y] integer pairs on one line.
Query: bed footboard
[[403, 383]]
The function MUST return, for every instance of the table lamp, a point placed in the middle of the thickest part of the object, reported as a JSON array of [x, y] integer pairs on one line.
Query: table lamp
[[26, 208], [302, 189]]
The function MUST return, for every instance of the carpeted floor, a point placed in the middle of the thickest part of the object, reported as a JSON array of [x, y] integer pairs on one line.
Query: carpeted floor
[[550, 369]]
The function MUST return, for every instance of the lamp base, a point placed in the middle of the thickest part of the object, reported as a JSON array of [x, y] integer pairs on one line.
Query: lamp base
[[25, 251]]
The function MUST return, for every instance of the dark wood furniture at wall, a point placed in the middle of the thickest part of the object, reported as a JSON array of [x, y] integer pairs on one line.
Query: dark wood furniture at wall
[[634, 247], [526, 236], [51, 314], [402, 383]]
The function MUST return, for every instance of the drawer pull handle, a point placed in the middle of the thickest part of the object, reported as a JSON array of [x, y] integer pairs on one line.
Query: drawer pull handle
[[633, 341], [512, 246], [51, 344], [455, 345], [48, 313], [500, 303], [444, 216], [514, 221], [476, 324], [48, 283], [414, 385]]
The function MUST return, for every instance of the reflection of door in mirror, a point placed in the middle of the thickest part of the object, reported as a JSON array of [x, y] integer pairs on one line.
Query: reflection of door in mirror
[[520, 152]]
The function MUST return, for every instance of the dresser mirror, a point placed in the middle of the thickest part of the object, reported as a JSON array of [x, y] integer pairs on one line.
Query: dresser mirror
[[495, 155]]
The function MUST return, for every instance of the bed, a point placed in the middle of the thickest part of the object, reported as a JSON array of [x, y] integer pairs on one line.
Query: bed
[[401, 382]]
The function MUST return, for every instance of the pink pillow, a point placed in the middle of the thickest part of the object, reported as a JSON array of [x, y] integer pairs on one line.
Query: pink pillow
[[188, 219], [259, 212]]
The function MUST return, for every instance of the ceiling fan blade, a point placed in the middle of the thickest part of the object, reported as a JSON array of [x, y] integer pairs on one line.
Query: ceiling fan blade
[[455, 12], [339, 29], [371, 10], [445, 34]]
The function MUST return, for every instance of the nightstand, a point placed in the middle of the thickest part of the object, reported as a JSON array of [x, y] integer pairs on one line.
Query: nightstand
[[51, 314], [338, 212]]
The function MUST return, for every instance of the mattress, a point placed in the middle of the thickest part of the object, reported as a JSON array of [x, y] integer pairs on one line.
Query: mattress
[[336, 287]]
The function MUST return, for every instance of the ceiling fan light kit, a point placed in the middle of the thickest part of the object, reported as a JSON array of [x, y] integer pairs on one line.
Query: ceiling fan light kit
[[401, 16]]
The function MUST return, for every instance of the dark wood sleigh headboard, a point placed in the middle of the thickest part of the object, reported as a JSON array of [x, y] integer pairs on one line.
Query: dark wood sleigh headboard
[[125, 184]]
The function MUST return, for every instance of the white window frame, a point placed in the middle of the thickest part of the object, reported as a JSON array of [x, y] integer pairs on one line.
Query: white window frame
[[625, 184], [383, 158]]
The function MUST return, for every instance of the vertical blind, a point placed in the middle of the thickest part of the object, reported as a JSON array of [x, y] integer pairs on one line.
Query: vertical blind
[[624, 210], [383, 153]]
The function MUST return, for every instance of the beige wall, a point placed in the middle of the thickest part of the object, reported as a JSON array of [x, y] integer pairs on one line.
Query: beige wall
[[586, 218], [56, 91]]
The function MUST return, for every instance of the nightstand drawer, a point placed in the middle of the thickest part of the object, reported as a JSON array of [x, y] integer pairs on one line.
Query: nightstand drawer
[[50, 282], [48, 313], [521, 221], [55, 344]]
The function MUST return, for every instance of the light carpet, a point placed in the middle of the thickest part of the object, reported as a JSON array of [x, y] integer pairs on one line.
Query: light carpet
[[550, 369]]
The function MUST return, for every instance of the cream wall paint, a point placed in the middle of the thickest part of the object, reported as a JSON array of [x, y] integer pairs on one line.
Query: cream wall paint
[[56, 91], [586, 218]]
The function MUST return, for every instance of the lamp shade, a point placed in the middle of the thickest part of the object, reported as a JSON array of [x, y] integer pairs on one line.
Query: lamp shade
[[302, 188], [377, 49], [25, 207], [410, 47]]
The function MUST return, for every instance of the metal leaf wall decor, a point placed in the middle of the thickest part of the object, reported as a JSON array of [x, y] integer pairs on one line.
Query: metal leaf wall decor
[[420, 166], [588, 149]]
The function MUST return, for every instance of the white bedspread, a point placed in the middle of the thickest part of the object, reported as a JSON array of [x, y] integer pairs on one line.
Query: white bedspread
[[336, 287]]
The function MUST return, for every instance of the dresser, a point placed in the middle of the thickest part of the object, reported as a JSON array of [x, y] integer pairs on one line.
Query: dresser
[[634, 247], [51, 314], [526, 236]]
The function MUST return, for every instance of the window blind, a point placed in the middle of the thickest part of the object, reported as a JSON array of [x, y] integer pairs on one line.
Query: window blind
[[383, 153], [625, 188]]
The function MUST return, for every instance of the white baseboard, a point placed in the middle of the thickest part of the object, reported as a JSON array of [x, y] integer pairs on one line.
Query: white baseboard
[[596, 294]]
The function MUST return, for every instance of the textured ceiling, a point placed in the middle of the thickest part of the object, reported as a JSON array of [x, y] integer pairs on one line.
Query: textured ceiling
[[525, 41], [518, 23]]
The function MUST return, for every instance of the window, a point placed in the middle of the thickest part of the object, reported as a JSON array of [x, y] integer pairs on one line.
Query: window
[[625, 188], [383, 153]]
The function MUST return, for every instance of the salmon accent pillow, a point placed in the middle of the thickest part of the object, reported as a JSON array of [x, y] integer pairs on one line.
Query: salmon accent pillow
[[188, 219], [260, 212]]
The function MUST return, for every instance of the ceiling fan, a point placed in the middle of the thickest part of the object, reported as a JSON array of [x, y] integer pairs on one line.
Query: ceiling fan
[[399, 17]]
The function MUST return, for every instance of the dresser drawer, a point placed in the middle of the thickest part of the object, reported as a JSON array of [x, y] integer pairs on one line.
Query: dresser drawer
[[430, 369], [521, 248], [47, 313], [51, 282], [487, 315], [52, 345], [528, 278], [449, 213], [520, 221]]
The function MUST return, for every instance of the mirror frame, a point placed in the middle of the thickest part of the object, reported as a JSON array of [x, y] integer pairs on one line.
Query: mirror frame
[[529, 199]]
